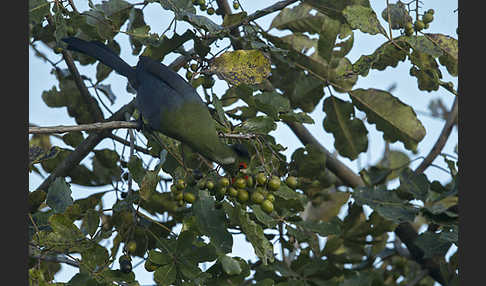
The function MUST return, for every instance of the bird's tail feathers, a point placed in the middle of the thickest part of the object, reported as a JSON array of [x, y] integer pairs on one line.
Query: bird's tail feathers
[[102, 53]]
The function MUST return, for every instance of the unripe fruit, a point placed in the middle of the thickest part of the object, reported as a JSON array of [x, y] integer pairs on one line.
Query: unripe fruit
[[189, 197], [270, 197], [261, 179], [208, 82], [181, 203], [201, 2], [240, 183], [249, 181], [274, 184], [267, 206], [210, 185], [180, 184], [427, 18], [201, 184], [419, 25], [222, 191], [150, 266], [242, 196], [124, 195], [225, 182], [194, 67], [292, 182], [131, 246], [195, 2], [236, 5], [179, 196], [210, 11], [409, 32], [203, 7], [232, 191], [257, 197], [408, 26]]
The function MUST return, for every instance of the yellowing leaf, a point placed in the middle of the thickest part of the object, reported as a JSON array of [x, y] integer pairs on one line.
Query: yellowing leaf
[[242, 66]]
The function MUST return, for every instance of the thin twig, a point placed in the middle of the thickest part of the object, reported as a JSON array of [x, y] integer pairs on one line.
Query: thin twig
[[419, 277], [444, 136]]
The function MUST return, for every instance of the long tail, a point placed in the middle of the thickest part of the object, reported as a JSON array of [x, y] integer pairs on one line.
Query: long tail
[[104, 54]]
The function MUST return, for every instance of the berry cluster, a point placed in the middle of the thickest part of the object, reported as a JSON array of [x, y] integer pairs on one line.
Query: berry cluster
[[419, 25]]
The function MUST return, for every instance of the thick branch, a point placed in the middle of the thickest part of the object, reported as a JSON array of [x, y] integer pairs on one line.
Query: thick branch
[[441, 141], [348, 177]]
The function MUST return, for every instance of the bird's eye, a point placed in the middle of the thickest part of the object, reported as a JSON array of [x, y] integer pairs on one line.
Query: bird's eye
[[242, 165]]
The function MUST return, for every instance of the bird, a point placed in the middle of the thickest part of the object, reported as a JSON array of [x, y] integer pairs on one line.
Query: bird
[[169, 104]]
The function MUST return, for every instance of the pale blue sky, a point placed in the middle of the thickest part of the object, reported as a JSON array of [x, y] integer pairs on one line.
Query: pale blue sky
[[445, 21]]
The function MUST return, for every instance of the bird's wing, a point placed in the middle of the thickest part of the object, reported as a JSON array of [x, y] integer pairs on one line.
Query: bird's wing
[[167, 75]]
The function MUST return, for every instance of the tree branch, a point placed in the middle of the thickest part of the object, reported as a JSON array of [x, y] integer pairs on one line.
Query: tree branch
[[83, 149], [348, 177], [441, 141], [97, 126]]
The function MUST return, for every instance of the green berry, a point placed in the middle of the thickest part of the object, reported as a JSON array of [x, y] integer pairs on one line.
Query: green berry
[[180, 184], [409, 32], [210, 11], [125, 264], [209, 185], [203, 7], [236, 5], [208, 82], [261, 178], [408, 26], [419, 25], [225, 182], [189, 197], [242, 195], [232, 191], [274, 184], [270, 197], [427, 18], [179, 196], [222, 191], [292, 182], [193, 67], [257, 197], [131, 246], [267, 206], [201, 2], [240, 183]]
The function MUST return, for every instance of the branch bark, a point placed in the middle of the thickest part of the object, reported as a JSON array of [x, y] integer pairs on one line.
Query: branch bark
[[97, 126], [443, 137]]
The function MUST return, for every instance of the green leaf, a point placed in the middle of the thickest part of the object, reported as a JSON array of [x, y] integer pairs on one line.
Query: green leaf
[[94, 257], [432, 244], [118, 276], [64, 226], [426, 70], [300, 117], [157, 50], [272, 103], [258, 124], [219, 110], [395, 161], [386, 203], [254, 233], [136, 21], [149, 184], [165, 275], [200, 22], [230, 265], [299, 19], [91, 221], [349, 132], [327, 38], [59, 195], [395, 119], [136, 169], [233, 19], [387, 55], [422, 44], [241, 66], [321, 228], [364, 19], [449, 47], [263, 217], [38, 10], [308, 162], [211, 222], [159, 258], [399, 16], [416, 184]]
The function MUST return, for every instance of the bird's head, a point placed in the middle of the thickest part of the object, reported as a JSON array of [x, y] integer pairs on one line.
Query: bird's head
[[241, 162]]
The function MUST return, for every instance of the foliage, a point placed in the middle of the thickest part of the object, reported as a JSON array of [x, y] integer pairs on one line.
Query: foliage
[[274, 202]]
